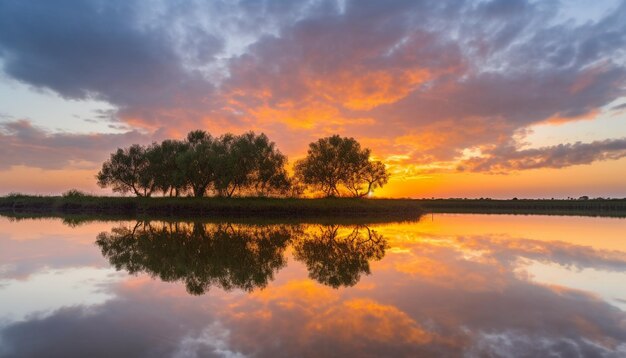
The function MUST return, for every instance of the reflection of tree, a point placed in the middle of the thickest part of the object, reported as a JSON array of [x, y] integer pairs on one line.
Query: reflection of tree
[[200, 255], [339, 261]]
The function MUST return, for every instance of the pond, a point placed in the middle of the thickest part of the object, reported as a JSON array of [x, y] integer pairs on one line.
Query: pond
[[446, 285]]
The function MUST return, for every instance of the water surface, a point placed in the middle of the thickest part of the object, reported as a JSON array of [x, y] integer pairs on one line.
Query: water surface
[[447, 285]]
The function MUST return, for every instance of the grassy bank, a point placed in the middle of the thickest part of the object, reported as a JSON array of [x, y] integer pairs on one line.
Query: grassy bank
[[202, 207], [326, 209], [592, 207]]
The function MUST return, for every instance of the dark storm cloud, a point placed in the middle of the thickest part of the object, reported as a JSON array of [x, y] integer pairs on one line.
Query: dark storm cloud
[[94, 48], [24, 144], [465, 73], [507, 157]]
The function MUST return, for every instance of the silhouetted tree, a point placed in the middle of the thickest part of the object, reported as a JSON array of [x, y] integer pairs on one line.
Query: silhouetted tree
[[168, 176], [197, 163], [337, 161], [128, 170], [364, 177], [249, 163], [228, 165]]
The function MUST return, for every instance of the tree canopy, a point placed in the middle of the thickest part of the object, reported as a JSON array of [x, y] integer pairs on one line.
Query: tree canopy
[[247, 164], [128, 170], [235, 165], [335, 163]]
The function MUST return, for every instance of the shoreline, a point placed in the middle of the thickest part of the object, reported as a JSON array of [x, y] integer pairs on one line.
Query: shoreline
[[203, 207], [591, 207], [277, 208]]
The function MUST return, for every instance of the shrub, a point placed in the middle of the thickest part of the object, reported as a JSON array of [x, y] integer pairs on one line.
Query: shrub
[[16, 195], [74, 193]]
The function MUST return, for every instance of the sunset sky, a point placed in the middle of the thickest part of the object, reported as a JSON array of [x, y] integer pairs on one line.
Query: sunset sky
[[459, 98]]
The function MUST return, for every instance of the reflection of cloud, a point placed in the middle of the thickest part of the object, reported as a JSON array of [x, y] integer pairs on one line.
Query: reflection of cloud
[[452, 320], [47, 291], [431, 296], [24, 258], [513, 344], [508, 251], [313, 319], [391, 324], [456, 75], [413, 318], [211, 341], [138, 322]]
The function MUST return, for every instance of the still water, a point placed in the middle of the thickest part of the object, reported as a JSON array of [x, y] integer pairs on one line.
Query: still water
[[446, 285]]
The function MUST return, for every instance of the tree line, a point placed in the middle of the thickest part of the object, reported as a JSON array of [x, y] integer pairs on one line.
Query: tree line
[[241, 165]]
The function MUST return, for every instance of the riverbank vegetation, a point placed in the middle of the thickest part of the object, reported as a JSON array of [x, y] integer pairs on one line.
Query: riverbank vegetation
[[77, 203], [218, 206], [241, 165], [590, 207]]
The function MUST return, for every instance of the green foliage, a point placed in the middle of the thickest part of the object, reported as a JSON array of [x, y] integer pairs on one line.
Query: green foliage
[[164, 167], [335, 163], [243, 165], [251, 164], [128, 170], [196, 163]]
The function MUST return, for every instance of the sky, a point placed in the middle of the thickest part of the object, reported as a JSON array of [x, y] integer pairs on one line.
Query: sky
[[463, 98]]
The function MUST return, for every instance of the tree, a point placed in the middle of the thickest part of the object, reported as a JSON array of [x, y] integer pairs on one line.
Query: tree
[[164, 168], [363, 179], [268, 174], [128, 170], [335, 162], [249, 163], [228, 165], [197, 162]]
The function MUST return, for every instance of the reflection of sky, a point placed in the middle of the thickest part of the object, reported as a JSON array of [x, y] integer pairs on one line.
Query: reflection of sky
[[53, 289], [460, 284], [607, 285]]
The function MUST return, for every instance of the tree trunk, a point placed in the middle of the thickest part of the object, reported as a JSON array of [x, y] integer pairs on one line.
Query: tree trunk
[[198, 192]]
